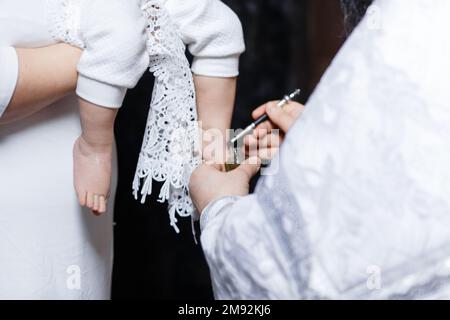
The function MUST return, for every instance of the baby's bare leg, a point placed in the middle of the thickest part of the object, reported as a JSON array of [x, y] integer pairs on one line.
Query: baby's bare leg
[[93, 156]]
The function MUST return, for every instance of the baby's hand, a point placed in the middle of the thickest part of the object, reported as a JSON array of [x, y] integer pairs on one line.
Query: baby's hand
[[92, 174]]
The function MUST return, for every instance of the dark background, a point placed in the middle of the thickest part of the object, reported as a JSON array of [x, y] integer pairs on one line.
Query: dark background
[[289, 45]]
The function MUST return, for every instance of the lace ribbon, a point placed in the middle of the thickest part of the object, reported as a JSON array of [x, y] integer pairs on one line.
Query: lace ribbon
[[169, 151]]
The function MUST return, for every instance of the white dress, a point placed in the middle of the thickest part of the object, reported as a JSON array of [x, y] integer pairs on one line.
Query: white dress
[[357, 205], [50, 248]]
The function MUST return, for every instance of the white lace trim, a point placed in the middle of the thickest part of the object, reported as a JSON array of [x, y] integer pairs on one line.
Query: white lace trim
[[64, 18], [169, 151]]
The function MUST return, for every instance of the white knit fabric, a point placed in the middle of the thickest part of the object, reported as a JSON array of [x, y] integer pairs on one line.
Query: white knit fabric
[[112, 34], [213, 34]]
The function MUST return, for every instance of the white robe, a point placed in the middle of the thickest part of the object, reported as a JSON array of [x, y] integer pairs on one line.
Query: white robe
[[358, 205]]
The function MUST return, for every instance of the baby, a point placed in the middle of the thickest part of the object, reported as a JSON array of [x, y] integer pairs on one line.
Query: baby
[[121, 39]]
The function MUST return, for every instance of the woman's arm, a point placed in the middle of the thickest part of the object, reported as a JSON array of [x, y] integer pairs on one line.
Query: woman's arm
[[45, 75]]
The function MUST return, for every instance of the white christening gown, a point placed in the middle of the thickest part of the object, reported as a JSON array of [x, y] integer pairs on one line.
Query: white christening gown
[[50, 248]]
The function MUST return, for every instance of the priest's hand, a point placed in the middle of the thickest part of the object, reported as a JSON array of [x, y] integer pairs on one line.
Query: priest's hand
[[209, 183]]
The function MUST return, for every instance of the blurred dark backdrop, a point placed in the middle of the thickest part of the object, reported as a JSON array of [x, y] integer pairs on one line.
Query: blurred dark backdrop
[[289, 44]]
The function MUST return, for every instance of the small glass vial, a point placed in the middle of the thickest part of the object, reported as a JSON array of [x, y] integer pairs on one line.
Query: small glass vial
[[232, 158]]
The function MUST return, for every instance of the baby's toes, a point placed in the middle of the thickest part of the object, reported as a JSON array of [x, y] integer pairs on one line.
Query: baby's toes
[[96, 203], [90, 200], [102, 208], [82, 198]]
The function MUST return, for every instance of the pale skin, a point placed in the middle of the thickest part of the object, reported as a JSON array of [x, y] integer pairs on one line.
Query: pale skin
[[55, 69], [45, 76], [209, 182], [92, 156], [215, 101]]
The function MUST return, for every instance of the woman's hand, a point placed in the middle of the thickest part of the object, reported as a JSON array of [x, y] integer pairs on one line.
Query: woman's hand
[[209, 183], [268, 136]]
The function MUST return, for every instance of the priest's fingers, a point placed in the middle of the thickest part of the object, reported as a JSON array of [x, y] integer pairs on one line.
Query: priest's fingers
[[272, 140], [261, 110], [264, 154], [280, 117]]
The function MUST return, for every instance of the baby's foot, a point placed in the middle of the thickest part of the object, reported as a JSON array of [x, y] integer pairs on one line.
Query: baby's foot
[[92, 174]]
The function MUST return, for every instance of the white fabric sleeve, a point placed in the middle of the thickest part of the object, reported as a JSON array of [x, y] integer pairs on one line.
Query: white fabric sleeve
[[112, 34], [214, 209], [115, 56], [213, 34], [100, 93], [9, 66], [244, 255]]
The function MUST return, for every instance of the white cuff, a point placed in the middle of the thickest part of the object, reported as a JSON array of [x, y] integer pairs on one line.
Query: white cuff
[[223, 67], [9, 74], [215, 208], [100, 93]]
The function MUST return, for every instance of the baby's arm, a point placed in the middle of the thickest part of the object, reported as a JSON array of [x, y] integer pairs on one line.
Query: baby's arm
[[214, 36]]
